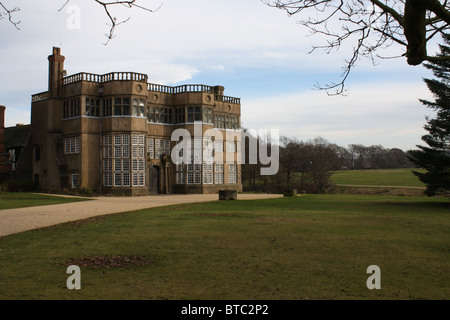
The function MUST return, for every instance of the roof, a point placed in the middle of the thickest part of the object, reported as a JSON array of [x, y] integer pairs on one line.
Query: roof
[[17, 136]]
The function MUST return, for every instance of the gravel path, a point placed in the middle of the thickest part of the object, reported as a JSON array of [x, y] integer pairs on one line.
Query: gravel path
[[23, 219]]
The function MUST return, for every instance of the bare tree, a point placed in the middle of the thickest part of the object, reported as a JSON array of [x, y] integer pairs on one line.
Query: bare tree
[[315, 159], [375, 157], [359, 154], [107, 6], [304, 159], [372, 25], [289, 157], [324, 161]]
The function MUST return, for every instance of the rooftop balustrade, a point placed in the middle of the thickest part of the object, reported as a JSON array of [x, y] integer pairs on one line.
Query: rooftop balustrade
[[39, 96], [180, 89], [227, 99], [192, 88], [113, 76], [132, 76]]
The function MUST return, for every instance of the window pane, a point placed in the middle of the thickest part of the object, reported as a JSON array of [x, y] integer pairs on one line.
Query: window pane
[[117, 151], [126, 164], [67, 146], [126, 139], [117, 164], [126, 179], [141, 179], [118, 179], [134, 111], [141, 111], [141, 140], [197, 177], [126, 151], [75, 180]]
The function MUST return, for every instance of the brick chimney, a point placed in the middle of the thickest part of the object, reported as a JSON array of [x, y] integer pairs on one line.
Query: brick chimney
[[55, 72]]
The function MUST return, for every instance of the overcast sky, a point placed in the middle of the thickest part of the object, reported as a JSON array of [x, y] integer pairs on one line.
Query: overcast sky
[[257, 53]]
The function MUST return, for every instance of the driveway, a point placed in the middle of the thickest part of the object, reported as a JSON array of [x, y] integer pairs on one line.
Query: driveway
[[23, 219]]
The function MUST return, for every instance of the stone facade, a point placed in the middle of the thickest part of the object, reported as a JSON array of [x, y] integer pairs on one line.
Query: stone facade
[[112, 134]]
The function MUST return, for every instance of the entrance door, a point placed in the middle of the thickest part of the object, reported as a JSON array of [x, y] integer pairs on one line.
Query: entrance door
[[153, 180]]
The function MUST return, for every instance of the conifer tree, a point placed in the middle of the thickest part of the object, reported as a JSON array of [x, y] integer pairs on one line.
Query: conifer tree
[[435, 157]]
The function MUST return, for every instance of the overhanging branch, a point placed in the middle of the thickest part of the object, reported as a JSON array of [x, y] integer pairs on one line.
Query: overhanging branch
[[374, 25]]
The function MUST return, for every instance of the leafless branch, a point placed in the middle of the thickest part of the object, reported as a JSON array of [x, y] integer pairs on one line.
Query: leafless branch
[[64, 5], [105, 4], [373, 25], [9, 13], [114, 22]]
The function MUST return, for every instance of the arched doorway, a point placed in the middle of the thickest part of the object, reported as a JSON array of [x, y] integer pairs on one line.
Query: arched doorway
[[153, 181]]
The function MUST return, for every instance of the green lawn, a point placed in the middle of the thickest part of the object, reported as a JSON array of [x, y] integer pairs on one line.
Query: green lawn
[[11, 200], [308, 247], [388, 177]]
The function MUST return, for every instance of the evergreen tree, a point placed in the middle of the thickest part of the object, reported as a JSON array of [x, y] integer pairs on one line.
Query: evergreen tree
[[435, 157]]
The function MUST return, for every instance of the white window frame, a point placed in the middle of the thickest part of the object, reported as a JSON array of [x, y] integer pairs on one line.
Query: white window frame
[[126, 179], [75, 180], [107, 179], [72, 145], [117, 162], [232, 173], [151, 147], [218, 173]]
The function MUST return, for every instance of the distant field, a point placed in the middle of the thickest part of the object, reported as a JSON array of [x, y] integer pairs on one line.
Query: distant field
[[11, 200], [388, 177]]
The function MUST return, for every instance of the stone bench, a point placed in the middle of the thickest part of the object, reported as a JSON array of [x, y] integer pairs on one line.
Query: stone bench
[[227, 195], [290, 193]]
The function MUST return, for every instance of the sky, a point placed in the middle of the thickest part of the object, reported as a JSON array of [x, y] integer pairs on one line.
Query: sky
[[256, 52]]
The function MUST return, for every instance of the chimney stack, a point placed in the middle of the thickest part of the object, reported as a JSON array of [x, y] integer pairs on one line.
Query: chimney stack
[[219, 90], [2, 117], [55, 72]]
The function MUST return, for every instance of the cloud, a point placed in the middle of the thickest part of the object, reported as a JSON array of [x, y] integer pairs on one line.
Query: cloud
[[377, 113], [217, 68], [160, 72]]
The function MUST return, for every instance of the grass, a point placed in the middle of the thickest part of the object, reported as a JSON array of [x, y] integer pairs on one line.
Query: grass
[[10, 200], [390, 177], [308, 247]]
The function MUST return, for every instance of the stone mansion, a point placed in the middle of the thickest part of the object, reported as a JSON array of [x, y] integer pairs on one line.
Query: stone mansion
[[112, 133]]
